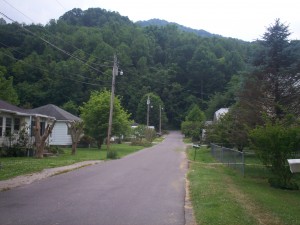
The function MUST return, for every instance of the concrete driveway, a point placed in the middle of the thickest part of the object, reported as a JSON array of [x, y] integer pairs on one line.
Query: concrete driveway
[[145, 188]]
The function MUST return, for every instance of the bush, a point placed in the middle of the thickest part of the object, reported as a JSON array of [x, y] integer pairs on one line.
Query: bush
[[86, 141], [150, 134], [274, 144], [192, 129], [55, 150], [14, 151], [140, 142]]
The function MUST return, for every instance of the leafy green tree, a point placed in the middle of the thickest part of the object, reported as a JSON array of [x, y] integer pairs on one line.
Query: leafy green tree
[[154, 108], [195, 115], [226, 98], [193, 123], [230, 130], [7, 91], [95, 114], [71, 107], [274, 143]]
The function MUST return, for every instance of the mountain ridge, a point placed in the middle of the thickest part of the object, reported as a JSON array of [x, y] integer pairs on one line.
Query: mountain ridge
[[161, 23]]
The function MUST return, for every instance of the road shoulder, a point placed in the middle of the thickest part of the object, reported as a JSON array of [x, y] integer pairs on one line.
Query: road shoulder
[[29, 178]]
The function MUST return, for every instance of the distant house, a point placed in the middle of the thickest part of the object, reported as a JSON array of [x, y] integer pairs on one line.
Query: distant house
[[220, 113], [13, 119]]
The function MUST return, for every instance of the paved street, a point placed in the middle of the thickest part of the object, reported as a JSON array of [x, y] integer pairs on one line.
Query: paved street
[[145, 188]]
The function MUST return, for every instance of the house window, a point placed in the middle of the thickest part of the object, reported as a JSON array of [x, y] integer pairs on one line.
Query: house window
[[8, 126], [16, 124], [1, 126]]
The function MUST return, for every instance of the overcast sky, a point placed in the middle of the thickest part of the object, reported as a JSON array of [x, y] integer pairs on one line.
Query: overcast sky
[[243, 19]]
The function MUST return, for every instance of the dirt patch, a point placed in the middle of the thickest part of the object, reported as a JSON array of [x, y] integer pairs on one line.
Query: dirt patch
[[29, 178], [262, 216]]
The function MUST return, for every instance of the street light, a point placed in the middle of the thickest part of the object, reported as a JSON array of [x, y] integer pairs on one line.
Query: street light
[[112, 97]]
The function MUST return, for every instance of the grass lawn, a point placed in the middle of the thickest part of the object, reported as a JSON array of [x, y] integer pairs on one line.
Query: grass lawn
[[15, 166], [221, 195]]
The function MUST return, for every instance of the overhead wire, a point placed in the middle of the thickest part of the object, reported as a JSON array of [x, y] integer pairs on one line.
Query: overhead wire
[[61, 5], [68, 78], [52, 45], [61, 39], [78, 75]]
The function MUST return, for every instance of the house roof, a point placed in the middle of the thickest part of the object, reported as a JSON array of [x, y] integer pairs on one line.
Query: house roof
[[43, 111], [54, 111], [9, 107]]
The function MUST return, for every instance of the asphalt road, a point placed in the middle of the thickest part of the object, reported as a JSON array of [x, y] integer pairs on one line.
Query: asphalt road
[[145, 188]]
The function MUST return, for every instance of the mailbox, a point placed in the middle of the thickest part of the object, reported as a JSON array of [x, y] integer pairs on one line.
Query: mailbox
[[294, 165]]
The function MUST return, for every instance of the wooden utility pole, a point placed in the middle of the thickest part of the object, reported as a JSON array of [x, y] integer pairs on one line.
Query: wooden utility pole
[[160, 119], [148, 109], [112, 97]]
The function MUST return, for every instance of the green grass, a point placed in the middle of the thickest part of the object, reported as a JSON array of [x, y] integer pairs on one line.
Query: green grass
[[15, 166], [221, 195]]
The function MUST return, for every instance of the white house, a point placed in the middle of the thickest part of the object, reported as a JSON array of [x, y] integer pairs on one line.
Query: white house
[[13, 119], [220, 113], [60, 133]]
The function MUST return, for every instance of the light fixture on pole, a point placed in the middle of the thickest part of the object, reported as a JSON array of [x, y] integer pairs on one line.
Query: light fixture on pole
[[115, 71]]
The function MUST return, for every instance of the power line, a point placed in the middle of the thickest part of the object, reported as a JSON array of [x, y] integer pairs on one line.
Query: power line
[[17, 10], [93, 79], [61, 5], [102, 65], [52, 45], [88, 83]]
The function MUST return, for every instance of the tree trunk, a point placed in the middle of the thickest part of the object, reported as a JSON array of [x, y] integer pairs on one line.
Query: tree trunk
[[100, 141], [40, 150], [74, 146], [40, 140], [76, 128]]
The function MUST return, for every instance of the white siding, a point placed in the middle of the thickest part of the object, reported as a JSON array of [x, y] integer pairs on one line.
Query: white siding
[[60, 135]]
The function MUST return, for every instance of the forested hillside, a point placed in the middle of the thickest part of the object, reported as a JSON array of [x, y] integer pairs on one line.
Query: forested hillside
[[160, 23], [62, 62]]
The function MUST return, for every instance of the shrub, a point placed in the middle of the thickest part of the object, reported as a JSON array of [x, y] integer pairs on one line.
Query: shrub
[[86, 141], [140, 142], [150, 134], [55, 150], [274, 144], [191, 129], [14, 151]]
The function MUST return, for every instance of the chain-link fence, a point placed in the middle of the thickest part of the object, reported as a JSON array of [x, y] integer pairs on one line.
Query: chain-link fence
[[231, 157]]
